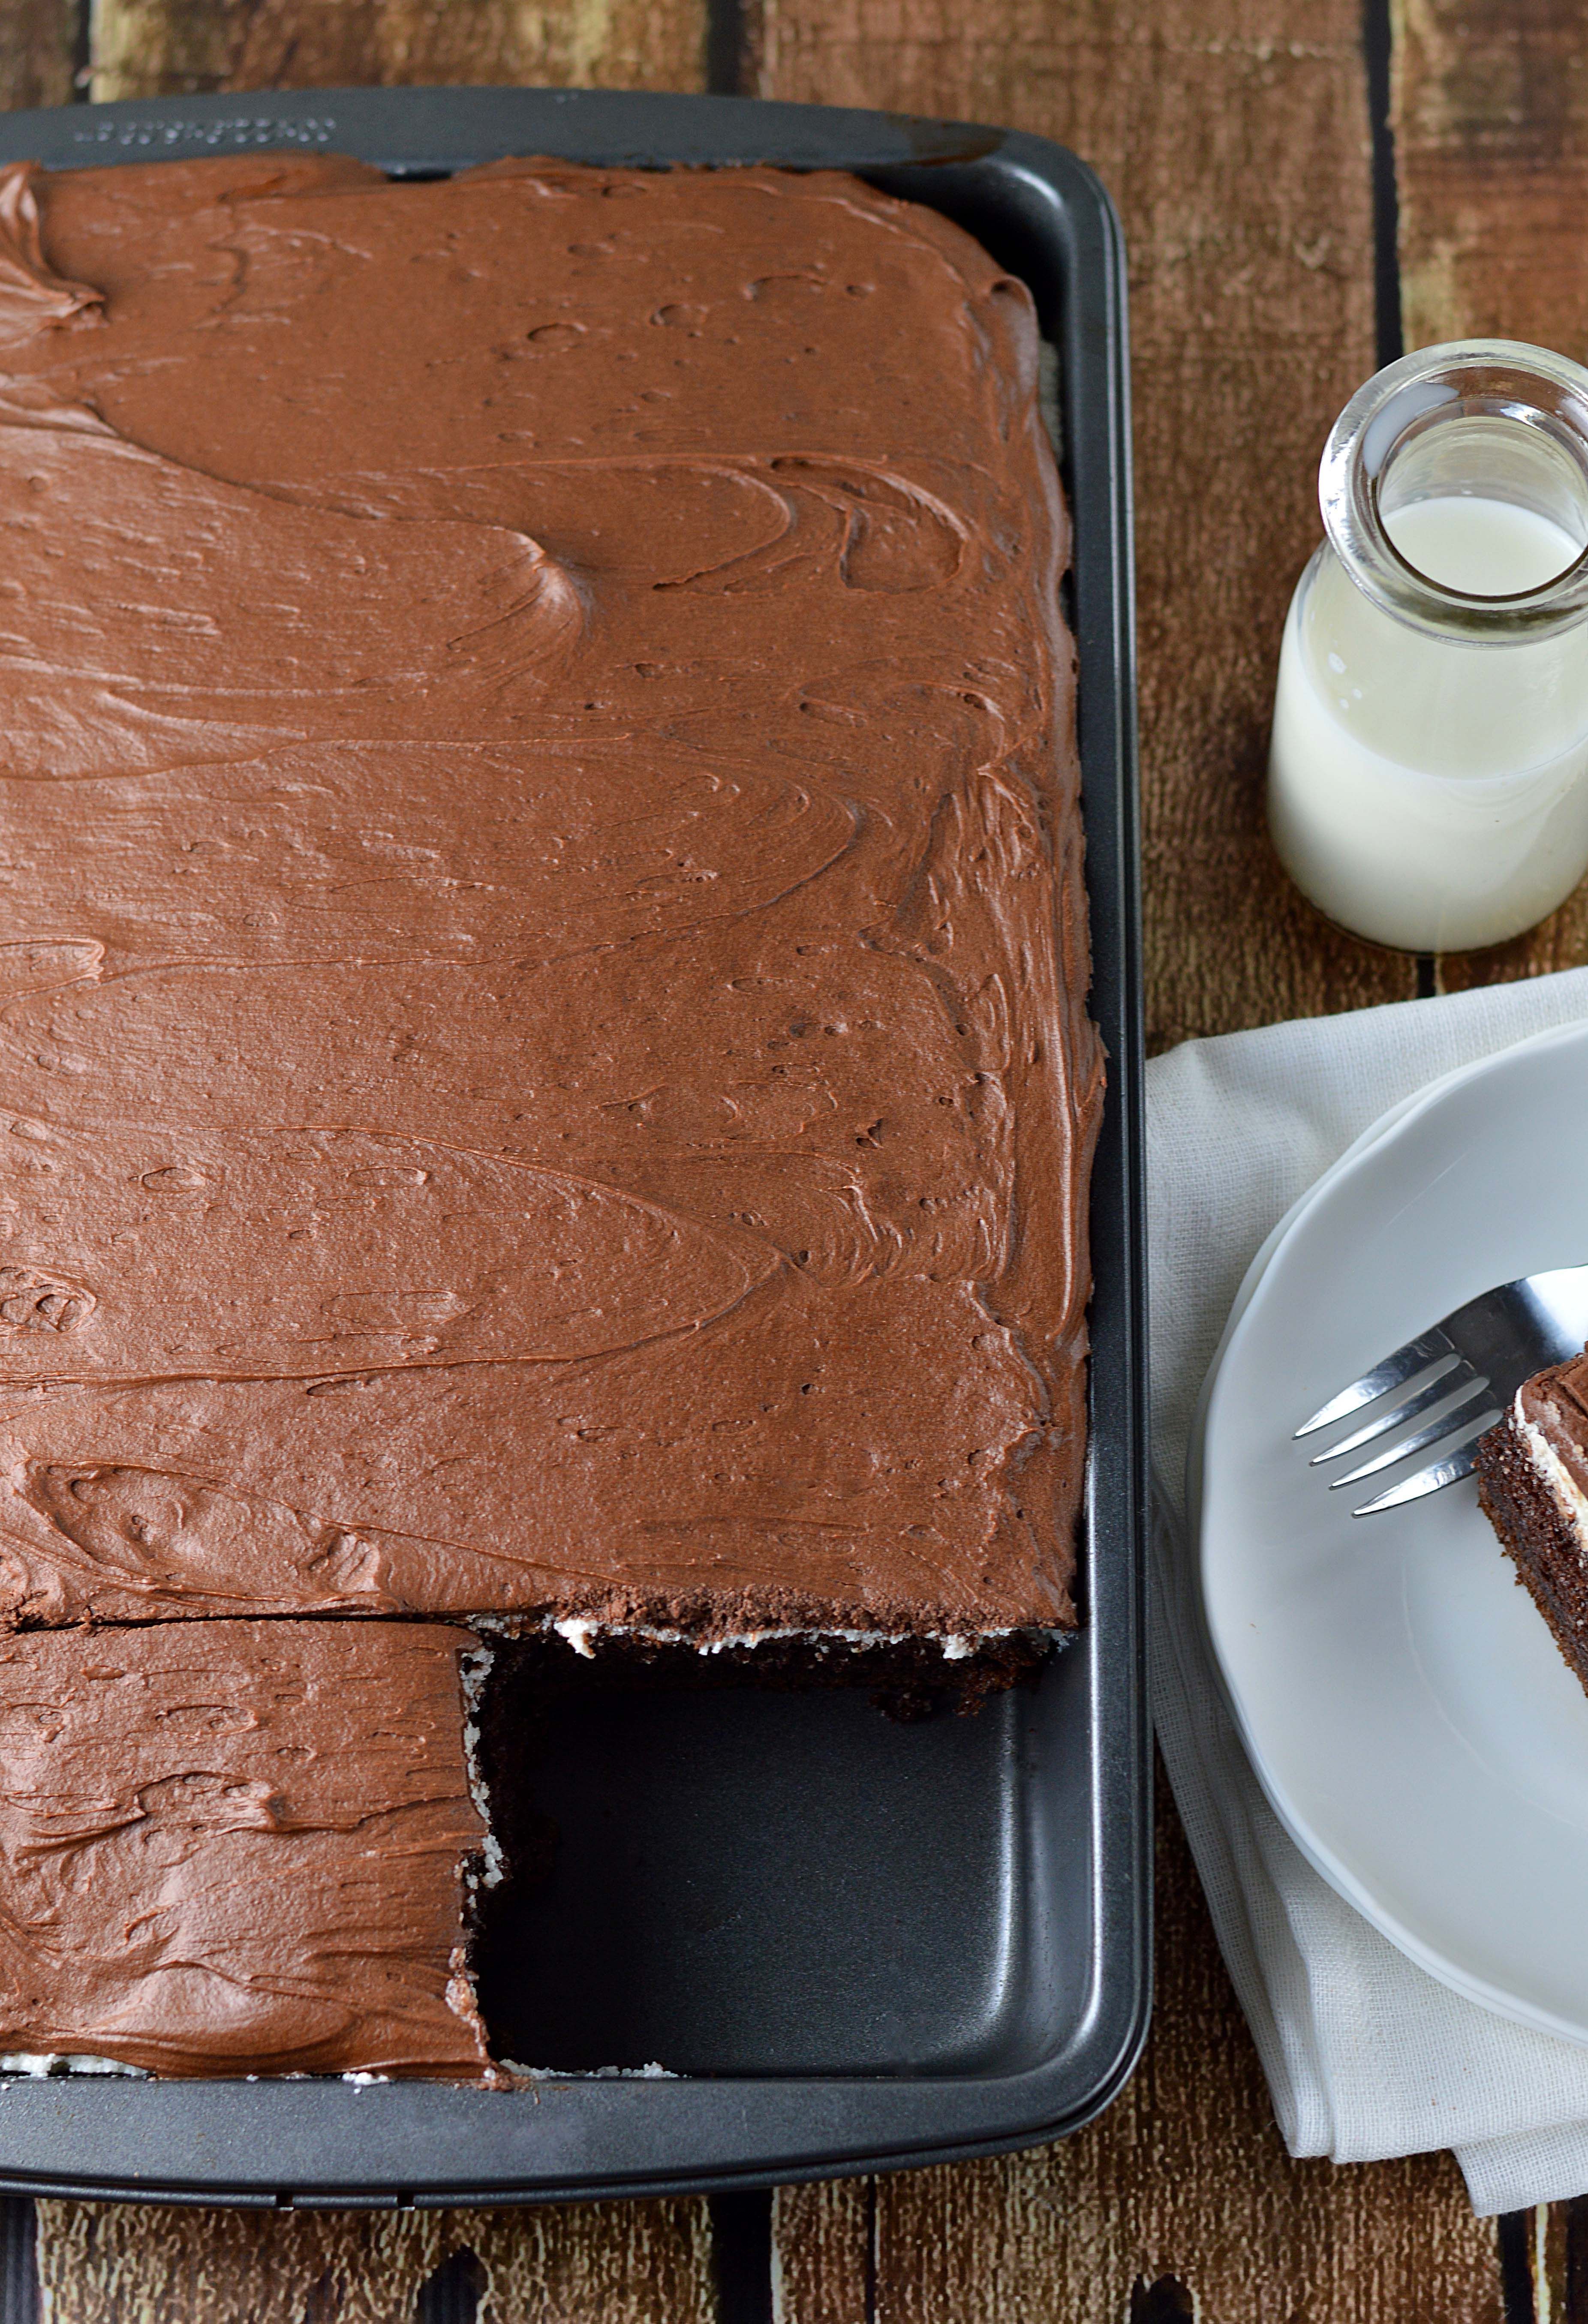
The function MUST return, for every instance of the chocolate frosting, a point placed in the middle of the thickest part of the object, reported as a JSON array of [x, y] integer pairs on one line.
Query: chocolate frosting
[[543, 1062], [236, 1847], [1556, 1401]]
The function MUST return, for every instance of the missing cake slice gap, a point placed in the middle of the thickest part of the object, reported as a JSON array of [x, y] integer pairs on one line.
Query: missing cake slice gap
[[1533, 1487]]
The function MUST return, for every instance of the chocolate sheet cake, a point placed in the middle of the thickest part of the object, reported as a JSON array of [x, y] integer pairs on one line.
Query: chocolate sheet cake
[[237, 1848], [543, 1058], [1533, 1484]]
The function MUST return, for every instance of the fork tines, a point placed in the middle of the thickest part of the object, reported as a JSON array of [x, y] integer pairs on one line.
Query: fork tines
[[1415, 1356], [1445, 1386], [1454, 1382]]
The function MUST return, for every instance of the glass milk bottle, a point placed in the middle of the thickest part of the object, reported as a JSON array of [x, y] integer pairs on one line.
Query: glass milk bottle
[[1428, 775]]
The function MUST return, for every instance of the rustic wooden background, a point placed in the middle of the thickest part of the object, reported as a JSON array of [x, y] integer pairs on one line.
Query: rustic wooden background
[[1257, 149]]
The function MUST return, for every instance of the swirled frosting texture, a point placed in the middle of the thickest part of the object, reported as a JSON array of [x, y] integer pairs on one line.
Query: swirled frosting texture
[[237, 1848], [543, 1060]]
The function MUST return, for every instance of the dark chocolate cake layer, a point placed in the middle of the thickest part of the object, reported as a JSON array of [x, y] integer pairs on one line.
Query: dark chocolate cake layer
[[238, 1848], [1533, 1485], [543, 1062]]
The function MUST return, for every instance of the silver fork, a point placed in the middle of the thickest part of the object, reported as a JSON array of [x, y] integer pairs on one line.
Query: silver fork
[[1478, 1357]]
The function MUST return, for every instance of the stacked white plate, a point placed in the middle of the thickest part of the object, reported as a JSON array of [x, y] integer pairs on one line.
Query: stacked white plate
[[1405, 1710]]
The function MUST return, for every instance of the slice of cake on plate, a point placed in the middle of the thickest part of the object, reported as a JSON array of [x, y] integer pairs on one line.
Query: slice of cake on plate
[[1533, 1484]]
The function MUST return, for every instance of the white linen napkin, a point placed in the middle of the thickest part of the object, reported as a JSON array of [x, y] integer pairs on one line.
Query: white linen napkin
[[1366, 2055]]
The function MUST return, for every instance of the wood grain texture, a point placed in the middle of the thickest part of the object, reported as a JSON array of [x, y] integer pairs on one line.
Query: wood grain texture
[[37, 51], [1233, 135], [600, 2264], [1184, 2179], [166, 48], [824, 2238], [1490, 119]]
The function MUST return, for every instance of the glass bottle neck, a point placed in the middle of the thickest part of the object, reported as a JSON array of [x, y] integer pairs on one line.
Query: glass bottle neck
[[1455, 492]]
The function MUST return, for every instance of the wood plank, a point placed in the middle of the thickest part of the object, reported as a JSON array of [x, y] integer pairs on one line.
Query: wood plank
[[823, 2238], [604, 2264], [38, 41], [1233, 135], [1490, 118], [178, 48], [1180, 2201]]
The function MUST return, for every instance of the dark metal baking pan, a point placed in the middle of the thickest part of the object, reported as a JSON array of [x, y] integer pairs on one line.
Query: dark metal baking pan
[[869, 1944]]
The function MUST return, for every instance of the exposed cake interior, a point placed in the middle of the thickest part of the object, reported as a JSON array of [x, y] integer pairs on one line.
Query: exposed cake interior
[[1533, 1484]]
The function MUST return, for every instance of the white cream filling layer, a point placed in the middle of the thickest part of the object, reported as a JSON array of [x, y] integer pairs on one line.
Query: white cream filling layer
[[1558, 1480], [51, 2065], [580, 1633]]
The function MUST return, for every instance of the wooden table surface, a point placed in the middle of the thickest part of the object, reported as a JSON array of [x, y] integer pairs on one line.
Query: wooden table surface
[[1301, 191]]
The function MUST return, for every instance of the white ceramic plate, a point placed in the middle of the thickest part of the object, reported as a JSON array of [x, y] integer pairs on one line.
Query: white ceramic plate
[[1405, 1708]]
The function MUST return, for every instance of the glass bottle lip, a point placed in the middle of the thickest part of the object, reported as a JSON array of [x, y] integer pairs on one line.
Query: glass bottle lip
[[1503, 378]]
